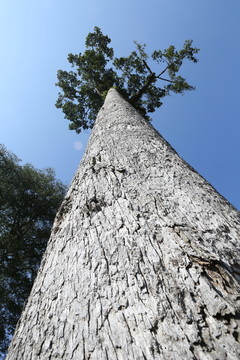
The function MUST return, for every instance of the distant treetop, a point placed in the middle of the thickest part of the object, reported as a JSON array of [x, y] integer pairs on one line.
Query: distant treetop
[[83, 89]]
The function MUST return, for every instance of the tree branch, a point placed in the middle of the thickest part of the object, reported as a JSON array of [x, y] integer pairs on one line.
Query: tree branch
[[151, 78], [160, 78], [169, 64], [145, 63], [98, 92]]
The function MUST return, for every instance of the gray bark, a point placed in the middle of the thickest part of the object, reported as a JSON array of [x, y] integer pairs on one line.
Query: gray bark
[[143, 260]]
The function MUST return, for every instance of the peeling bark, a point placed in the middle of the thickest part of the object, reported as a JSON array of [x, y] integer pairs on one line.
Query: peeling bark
[[143, 260]]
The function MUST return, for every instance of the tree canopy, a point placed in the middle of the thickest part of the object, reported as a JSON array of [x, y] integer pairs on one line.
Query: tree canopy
[[95, 71], [29, 199]]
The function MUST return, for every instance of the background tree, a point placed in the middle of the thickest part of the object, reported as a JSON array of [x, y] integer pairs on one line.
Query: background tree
[[97, 70], [29, 199]]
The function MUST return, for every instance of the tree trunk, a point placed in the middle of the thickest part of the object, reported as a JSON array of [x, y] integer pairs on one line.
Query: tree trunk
[[143, 260]]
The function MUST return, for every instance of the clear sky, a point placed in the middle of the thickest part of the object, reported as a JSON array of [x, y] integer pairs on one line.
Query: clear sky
[[203, 126]]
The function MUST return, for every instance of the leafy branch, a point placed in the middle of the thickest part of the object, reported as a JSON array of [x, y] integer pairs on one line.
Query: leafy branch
[[97, 70]]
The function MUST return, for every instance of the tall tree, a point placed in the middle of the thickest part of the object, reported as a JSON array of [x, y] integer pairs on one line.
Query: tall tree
[[143, 260], [97, 70], [29, 200]]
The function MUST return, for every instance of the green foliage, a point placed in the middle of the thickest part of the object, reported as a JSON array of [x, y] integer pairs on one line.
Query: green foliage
[[96, 71], [29, 199]]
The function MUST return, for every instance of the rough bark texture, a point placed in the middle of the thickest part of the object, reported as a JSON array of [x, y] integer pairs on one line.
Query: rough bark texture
[[143, 261]]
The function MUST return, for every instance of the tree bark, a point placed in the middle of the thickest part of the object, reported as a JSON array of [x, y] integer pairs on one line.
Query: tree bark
[[143, 260]]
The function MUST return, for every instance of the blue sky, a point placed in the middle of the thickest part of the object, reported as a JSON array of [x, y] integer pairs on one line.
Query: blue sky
[[203, 126]]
